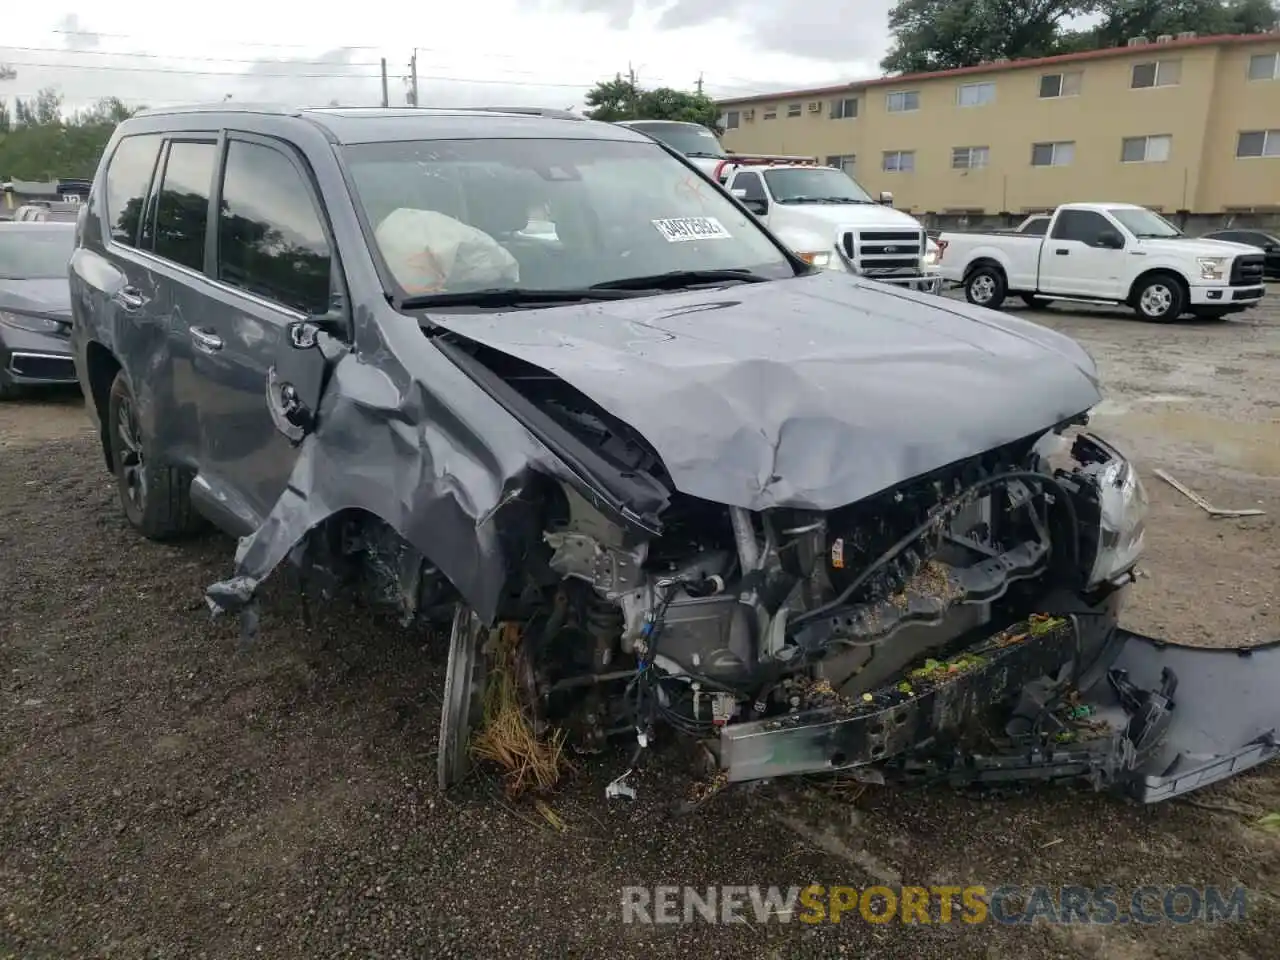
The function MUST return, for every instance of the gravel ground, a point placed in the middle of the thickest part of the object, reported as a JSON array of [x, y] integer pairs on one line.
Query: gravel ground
[[166, 795]]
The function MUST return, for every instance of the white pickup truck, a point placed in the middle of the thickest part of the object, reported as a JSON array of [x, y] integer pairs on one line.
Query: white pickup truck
[[1106, 253], [831, 221]]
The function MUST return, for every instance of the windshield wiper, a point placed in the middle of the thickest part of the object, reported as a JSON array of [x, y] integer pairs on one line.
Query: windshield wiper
[[678, 278], [509, 297]]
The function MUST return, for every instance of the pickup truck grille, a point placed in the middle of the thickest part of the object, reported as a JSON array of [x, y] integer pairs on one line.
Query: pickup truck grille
[[1246, 270], [884, 251]]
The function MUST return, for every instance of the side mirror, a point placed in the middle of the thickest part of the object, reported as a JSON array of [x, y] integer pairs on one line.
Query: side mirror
[[759, 207], [1110, 240], [886, 198]]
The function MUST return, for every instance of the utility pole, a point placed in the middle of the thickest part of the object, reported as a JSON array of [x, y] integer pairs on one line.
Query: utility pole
[[634, 91], [699, 84], [384, 83], [413, 78]]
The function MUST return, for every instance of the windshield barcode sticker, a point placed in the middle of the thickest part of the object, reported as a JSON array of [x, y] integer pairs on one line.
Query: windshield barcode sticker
[[679, 229]]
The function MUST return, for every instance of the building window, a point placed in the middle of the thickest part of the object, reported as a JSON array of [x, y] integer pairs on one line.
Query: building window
[[845, 109], [1265, 66], [771, 113], [1156, 73], [793, 109], [975, 94], [904, 101], [1258, 143], [1053, 85], [844, 161], [899, 161], [1053, 154], [731, 120], [969, 158], [1146, 149]]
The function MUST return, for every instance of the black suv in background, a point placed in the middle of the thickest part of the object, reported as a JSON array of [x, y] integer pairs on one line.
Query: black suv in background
[[641, 457]]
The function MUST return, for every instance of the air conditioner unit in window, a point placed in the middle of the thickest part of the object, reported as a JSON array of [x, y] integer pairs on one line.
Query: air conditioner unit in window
[[1136, 42], [815, 106], [748, 114], [1187, 35], [1165, 38]]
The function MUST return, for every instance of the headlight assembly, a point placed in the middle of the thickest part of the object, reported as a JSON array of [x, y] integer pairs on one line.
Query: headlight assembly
[[1211, 268], [24, 321], [1122, 519]]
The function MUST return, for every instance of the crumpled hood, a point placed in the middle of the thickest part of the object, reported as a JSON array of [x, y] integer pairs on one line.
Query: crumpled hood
[[813, 392], [46, 298]]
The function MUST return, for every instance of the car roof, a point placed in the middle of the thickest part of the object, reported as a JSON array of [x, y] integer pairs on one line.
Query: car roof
[[351, 125]]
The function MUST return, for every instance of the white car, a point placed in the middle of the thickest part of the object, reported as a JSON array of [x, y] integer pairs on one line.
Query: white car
[[830, 220], [1107, 253]]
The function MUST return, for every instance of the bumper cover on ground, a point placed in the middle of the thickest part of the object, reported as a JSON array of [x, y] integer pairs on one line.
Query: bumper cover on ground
[[1165, 719]]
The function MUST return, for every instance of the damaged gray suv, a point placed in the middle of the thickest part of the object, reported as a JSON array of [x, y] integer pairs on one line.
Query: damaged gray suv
[[541, 382]]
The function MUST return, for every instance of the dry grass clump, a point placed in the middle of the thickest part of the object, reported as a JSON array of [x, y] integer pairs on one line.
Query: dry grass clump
[[506, 736]]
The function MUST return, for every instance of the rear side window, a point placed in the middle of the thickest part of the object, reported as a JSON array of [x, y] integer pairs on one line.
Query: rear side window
[[270, 239], [128, 178], [182, 208]]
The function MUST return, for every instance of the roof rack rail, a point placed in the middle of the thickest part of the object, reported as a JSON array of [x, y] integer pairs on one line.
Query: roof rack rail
[[759, 160], [551, 112]]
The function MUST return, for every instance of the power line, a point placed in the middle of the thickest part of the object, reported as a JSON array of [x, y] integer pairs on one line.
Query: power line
[[169, 56]]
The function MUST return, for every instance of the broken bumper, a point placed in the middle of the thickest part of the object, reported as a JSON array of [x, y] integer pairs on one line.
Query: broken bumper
[[1162, 721]]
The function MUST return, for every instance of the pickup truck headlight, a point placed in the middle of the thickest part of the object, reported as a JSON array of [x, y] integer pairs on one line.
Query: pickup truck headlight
[[1212, 268], [823, 259], [23, 321], [929, 260], [1122, 521]]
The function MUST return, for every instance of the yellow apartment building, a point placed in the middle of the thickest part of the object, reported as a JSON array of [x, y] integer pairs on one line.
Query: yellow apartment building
[[1181, 123]]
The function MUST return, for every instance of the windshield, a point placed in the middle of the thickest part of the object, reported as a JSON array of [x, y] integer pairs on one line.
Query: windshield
[[691, 139], [818, 185], [1143, 223], [27, 254], [453, 216]]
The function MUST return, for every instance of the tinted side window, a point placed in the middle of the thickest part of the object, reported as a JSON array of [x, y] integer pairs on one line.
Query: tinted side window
[[128, 179], [750, 182], [182, 209], [1082, 225], [270, 239]]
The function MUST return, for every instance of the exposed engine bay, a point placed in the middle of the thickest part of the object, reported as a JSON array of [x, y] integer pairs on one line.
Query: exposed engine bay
[[726, 618]]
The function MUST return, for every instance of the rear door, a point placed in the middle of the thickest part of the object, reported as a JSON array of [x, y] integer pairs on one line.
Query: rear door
[[271, 266], [1073, 261]]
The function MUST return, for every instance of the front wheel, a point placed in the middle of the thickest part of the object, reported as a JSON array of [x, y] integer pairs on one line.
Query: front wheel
[[464, 685], [985, 287], [154, 497], [1160, 298]]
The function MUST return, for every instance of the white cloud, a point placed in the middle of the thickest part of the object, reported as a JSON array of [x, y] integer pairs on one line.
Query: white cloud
[[502, 52]]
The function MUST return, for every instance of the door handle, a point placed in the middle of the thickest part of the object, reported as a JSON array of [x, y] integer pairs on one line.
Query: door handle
[[1062, 253], [205, 341], [130, 298]]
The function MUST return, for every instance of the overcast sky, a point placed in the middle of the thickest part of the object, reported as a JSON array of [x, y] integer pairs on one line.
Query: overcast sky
[[490, 53]]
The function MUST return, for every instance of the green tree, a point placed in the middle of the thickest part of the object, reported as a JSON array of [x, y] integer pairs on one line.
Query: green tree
[[1122, 19], [37, 142], [620, 99], [946, 34]]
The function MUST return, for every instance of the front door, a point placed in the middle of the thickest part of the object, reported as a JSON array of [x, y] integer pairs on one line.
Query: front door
[[271, 267], [1075, 263]]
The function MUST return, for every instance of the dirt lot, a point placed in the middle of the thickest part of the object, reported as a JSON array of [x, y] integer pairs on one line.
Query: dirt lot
[[165, 795]]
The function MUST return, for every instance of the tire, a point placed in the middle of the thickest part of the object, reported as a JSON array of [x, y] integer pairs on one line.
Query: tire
[[463, 700], [1034, 302], [8, 391], [985, 287], [155, 498], [1160, 298]]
